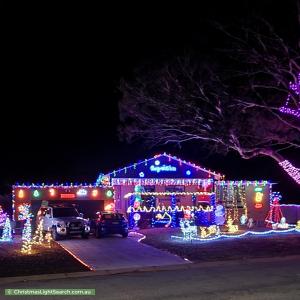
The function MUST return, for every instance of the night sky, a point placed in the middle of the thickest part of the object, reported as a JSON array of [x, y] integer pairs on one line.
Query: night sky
[[62, 66]]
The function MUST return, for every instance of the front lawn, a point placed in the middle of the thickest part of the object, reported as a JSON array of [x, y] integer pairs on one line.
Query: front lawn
[[223, 249], [43, 260]]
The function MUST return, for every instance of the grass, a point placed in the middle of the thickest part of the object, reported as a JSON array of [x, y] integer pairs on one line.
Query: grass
[[43, 260], [229, 249]]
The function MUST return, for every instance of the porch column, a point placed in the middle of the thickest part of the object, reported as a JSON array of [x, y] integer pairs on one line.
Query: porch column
[[173, 213]]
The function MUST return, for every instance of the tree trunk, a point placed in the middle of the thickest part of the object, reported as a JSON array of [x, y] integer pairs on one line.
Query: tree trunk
[[273, 154]]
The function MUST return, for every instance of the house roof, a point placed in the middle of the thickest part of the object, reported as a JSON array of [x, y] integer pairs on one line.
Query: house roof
[[170, 158]]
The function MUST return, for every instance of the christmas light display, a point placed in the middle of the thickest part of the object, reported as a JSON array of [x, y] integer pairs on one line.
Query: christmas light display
[[95, 193], [160, 219], [250, 223], [38, 237], [237, 236], [26, 232], [82, 192], [109, 193], [281, 225], [232, 194], [291, 170], [220, 214], [24, 211], [188, 229], [165, 168], [21, 194], [109, 207], [154, 163], [287, 108], [36, 194], [258, 198], [52, 192], [243, 183], [206, 232], [6, 234], [168, 194], [231, 228], [136, 218], [275, 195], [3, 216], [26, 237], [49, 239], [173, 213], [275, 214], [243, 219], [161, 181], [177, 208]]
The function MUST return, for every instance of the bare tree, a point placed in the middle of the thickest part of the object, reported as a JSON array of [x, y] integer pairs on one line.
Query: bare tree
[[233, 105]]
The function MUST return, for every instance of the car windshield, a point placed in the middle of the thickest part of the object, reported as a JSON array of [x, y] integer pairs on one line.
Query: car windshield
[[112, 216], [65, 212]]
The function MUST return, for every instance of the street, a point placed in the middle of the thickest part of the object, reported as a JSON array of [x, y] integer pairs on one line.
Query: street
[[275, 279]]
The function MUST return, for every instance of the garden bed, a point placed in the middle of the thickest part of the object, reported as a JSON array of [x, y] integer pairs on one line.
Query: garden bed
[[224, 249], [43, 260]]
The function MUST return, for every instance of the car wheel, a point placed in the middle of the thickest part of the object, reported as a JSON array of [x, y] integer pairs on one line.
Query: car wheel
[[55, 235], [98, 233], [85, 235]]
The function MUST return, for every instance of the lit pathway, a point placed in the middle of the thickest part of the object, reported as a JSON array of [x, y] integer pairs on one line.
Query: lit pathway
[[111, 253]]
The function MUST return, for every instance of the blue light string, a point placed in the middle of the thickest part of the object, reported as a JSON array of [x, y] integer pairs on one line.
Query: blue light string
[[239, 235]]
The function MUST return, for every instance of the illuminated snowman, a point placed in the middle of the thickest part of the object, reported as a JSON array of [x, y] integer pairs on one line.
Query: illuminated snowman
[[243, 219], [283, 224], [220, 214]]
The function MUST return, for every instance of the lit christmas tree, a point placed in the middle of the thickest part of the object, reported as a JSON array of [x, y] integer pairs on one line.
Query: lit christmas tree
[[2, 217], [38, 237], [49, 239], [275, 214], [6, 235], [26, 237]]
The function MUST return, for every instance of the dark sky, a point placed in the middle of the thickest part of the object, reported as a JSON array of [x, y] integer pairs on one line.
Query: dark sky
[[62, 65]]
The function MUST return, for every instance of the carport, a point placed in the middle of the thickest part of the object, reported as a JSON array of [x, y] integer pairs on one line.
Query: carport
[[88, 199]]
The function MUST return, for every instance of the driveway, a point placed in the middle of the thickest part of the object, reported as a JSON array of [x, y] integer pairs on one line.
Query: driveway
[[111, 253]]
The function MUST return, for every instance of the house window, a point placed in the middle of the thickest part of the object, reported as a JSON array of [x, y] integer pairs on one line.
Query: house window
[[175, 189], [149, 188]]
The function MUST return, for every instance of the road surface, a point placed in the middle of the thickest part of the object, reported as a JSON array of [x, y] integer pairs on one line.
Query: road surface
[[278, 279]]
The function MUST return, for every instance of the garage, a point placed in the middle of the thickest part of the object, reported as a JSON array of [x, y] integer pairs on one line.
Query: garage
[[88, 199]]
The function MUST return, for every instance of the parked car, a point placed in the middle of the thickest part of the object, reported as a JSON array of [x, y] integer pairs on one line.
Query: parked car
[[64, 221], [111, 223]]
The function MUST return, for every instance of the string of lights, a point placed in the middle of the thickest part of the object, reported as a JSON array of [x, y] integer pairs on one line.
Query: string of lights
[[168, 194], [161, 181], [145, 162], [291, 170], [132, 209], [286, 108], [264, 233]]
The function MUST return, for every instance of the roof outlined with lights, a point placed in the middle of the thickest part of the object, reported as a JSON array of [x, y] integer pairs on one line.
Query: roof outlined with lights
[[162, 166]]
